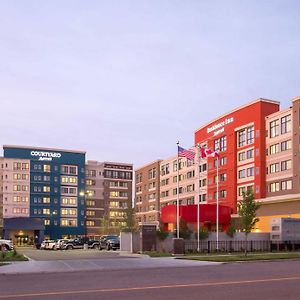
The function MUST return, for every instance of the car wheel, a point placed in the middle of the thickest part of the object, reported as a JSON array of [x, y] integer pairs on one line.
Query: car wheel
[[95, 246], [114, 249], [69, 247], [108, 247]]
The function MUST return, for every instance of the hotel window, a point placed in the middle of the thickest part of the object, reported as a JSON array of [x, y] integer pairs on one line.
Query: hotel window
[[24, 188], [242, 156], [223, 194], [46, 178], [223, 177], [241, 138], [286, 124], [151, 185], [241, 190], [152, 173], [16, 210], [250, 172], [90, 203], [286, 185], [274, 128], [223, 143], [67, 169], [223, 161], [68, 201], [274, 187], [68, 222], [286, 145], [90, 223], [17, 188], [69, 190], [91, 213], [46, 222], [217, 145], [190, 174], [25, 166], [69, 179], [90, 182], [17, 176], [274, 149], [68, 211], [250, 135], [190, 188], [17, 166], [274, 168], [47, 168], [286, 165], [46, 211], [242, 174], [250, 153], [91, 173], [46, 200], [46, 189]]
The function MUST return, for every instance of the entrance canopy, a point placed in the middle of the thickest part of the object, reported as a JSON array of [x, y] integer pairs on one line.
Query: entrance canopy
[[188, 213], [23, 224]]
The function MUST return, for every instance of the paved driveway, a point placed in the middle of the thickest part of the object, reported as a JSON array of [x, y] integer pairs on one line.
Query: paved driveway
[[46, 255], [43, 261]]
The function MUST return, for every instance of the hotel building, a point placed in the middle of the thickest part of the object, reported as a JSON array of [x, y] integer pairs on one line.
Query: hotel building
[[239, 137], [282, 166], [42, 186], [147, 193], [108, 195]]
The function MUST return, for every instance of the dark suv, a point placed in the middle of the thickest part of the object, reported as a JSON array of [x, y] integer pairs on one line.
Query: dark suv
[[109, 242]]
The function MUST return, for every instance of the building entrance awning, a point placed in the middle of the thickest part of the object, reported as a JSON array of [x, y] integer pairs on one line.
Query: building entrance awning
[[23, 224]]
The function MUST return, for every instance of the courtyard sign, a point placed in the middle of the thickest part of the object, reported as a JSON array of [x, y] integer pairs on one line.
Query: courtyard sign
[[45, 155]]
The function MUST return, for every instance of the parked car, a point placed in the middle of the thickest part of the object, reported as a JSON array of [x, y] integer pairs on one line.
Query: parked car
[[78, 243], [113, 243], [48, 245], [7, 244], [60, 244], [109, 242]]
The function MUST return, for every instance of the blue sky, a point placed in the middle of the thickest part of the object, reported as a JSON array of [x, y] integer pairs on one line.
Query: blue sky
[[124, 80]]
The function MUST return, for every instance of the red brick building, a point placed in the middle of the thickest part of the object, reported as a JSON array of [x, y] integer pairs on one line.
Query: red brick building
[[239, 137]]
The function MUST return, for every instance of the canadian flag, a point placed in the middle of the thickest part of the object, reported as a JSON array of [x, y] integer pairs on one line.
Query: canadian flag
[[205, 152]]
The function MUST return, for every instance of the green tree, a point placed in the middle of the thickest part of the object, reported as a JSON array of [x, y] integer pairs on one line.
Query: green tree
[[129, 220], [184, 231], [203, 234], [247, 209]]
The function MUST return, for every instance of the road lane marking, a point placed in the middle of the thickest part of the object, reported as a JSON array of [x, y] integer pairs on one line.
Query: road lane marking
[[57, 293]]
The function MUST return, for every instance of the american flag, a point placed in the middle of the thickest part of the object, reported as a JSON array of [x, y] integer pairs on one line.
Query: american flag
[[189, 154]]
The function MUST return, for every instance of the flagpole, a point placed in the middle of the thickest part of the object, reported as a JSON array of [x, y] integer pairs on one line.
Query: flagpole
[[198, 204], [217, 217], [177, 206]]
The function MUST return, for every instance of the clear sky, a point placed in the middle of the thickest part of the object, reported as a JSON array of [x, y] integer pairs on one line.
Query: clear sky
[[124, 80]]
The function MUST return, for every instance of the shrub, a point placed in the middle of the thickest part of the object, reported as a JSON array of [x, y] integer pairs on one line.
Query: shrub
[[230, 231]]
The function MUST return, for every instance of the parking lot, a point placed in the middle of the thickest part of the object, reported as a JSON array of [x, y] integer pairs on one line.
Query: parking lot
[[48, 255]]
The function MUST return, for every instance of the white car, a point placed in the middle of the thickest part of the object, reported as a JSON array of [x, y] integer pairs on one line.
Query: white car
[[7, 244], [59, 244], [48, 244]]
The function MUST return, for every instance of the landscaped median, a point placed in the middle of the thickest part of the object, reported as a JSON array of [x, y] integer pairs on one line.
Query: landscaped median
[[11, 256], [232, 257]]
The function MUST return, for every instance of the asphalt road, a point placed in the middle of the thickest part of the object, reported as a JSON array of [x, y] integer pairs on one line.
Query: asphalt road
[[234, 281]]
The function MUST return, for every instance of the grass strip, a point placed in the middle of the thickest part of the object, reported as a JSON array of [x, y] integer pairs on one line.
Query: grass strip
[[249, 257], [12, 256]]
